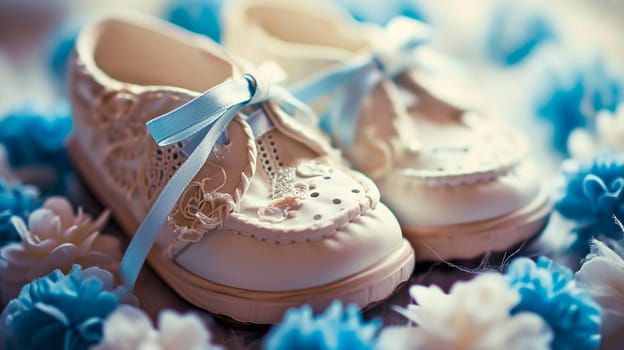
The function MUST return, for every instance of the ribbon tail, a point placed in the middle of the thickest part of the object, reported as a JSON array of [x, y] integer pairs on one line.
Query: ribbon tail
[[320, 85], [146, 235], [346, 107], [295, 104]]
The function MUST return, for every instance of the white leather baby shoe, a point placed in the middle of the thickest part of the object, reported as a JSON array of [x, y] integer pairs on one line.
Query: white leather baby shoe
[[461, 184], [247, 211]]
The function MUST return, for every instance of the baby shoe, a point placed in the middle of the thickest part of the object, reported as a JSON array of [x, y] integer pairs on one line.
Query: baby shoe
[[245, 211], [460, 184]]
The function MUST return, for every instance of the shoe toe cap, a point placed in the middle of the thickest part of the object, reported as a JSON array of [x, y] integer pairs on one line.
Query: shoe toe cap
[[240, 261], [417, 204]]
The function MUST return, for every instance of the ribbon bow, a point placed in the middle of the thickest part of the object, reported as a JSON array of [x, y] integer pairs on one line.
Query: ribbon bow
[[397, 48], [205, 118]]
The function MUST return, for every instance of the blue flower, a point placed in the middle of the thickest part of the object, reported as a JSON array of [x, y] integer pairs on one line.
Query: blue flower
[[15, 200], [335, 329], [60, 311], [574, 98], [515, 32], [592, 195], [381, 12], [35, 137], [551, 292], [199, 16]]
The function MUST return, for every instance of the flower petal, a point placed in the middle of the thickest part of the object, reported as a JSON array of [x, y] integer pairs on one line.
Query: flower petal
[[44, 223], [181, 331], [62, 257], [61, 208]]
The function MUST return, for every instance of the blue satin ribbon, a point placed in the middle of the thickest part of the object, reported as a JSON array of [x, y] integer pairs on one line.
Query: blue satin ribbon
[[208, 116], [352, 81]]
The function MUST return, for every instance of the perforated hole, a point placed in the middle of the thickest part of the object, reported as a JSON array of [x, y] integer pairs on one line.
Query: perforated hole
[[355, 190], [314, 194], [336, 201], [270, 158], [317, 217], [266, 160]]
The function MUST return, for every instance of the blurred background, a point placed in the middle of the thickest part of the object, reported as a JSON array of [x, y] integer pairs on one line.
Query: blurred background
[[550, 67], [521, 50]]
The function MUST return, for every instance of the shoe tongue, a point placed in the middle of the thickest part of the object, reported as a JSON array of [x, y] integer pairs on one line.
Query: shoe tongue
[[282, 116], [291, 133]]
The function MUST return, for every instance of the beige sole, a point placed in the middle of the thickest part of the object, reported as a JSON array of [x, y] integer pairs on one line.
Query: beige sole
[[466, 241], [248, 306]]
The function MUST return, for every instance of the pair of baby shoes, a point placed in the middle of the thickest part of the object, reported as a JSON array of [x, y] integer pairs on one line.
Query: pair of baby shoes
[[237, 200], [459, 182]]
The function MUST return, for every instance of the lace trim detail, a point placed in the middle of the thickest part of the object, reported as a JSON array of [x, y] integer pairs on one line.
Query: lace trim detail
[[286, 197], [287, 194], [137, 165], [123, 137], [158, 169], [283, 184], [200, 210]]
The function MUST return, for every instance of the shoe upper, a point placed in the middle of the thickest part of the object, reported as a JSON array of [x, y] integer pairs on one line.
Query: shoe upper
[[428, 149], [272, 197]]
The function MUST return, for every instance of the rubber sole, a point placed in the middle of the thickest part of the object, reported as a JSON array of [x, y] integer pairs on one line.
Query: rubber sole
[[365, 289], [467, 241]]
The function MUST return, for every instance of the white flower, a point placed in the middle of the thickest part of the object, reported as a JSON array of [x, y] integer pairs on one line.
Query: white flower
[[609, 135], [602, 273], [474, 315], [55, 239], [610, 128], [128, 328]]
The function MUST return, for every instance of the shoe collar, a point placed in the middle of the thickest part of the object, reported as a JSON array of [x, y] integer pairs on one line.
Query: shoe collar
[[103, 45]]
